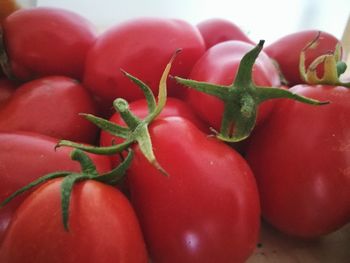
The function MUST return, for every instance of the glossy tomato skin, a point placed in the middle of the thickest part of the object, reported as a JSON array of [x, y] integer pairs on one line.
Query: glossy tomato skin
[[44, 41], [142, 47], [217, 30], [219, 66], [301, 158], [51, 106], [286, 51], [207, 209], [173, 107], [105, 230], [25, 157]]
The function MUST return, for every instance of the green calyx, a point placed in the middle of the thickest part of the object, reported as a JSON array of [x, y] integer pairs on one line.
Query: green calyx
[[137, 129], [242, 98], [333, 67], [88, 172]]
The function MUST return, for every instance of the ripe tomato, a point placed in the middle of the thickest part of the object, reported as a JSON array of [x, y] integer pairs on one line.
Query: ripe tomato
[[217, 30], [51, 106], [26, 156], [44, 41], [286, 51], [207, 209], [218, 66], [300, 158], [103, 227], [142, 47]]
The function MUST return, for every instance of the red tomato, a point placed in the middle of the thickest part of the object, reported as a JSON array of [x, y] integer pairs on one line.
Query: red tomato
[[25, 157], [51, 106], [219, 66], [103, 230], [45, 41], [142, 47], [173, 107], [300, 158], [7, 88], [207, 209], [217, 30], [286, 51]]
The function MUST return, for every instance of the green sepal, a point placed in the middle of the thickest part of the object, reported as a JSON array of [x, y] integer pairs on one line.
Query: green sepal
[[107, 150], [66, 192], [33, 184], [116, 175], [151, 101], [108, 126], [242, 98]]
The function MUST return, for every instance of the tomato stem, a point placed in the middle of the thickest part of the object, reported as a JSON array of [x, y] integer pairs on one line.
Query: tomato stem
[[332, 64], [242, 98], [137, 129], [88, 172]]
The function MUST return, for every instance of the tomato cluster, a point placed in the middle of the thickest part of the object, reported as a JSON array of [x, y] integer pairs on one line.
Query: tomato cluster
[[238, 132]]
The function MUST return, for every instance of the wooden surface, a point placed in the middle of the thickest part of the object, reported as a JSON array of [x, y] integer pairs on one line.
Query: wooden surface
[[274, 247]]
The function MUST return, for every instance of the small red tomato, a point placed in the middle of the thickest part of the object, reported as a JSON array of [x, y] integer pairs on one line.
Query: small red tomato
[[217, 30], [44, 41], [103, 227], [142, 47], [300, 157], [207, 209], [51, 106], [25, 157], [219, 65]]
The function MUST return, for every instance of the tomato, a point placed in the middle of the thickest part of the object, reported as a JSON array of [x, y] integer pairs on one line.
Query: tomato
[[217, 30], [103, 230], [7, 88], [51, 106], [142, 47], [44, 41], [219, 66], [206, 209], [26, 156], [173, 107], [300, 157], [286, 52]]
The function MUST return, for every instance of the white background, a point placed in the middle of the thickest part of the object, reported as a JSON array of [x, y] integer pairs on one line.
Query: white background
[[260, 19]]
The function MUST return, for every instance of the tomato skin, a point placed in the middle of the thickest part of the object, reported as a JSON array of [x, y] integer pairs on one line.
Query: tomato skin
[[142, 47], [300, 158], [44, 41], [217, 30], [286, 51], [218, 66], [51, 106], [110, 235], [26, 156], [207, 209]]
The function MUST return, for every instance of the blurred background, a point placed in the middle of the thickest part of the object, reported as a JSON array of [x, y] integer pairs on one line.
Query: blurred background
[[267, 19]]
